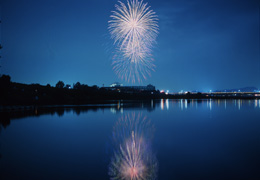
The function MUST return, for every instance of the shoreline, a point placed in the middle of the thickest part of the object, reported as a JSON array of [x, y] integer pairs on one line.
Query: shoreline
[[110, 103]]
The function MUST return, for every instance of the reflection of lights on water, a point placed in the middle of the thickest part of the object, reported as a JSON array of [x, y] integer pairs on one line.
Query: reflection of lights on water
[[181, 103], [151, 103], [239, 104], [186, 103], [209, 104], [257, 103], [225, 104], [132, 166], [36, 111], [167, 104], [133, 158], [192, 103], [113, 110], [162, 104], [118, 105]]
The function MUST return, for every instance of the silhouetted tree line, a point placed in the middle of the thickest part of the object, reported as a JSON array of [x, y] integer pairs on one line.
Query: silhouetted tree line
[[35, 94], [12, 93]]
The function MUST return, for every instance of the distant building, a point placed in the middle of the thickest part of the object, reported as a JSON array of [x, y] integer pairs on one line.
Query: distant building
[[149, 87], [116, 84], [121, 88]]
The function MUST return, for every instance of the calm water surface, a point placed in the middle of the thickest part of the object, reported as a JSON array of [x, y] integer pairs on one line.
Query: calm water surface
[[167, 139]]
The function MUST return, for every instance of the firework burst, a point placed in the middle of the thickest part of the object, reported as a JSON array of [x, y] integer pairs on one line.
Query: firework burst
[[133, 159], [134, 28]]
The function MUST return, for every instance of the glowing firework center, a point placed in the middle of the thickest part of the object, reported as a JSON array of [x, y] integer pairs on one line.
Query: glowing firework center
[[134, 28]]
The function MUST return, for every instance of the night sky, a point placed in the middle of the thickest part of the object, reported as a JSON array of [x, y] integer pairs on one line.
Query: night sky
[[202, 44]]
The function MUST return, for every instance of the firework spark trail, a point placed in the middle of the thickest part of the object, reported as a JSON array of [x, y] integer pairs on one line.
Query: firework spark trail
[[133, 159], [134, 29]]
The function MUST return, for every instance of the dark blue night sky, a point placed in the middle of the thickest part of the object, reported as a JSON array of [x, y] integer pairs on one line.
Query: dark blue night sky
[[202, 44]]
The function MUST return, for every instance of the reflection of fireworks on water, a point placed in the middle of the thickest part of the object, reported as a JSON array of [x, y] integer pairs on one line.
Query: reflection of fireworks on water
[[134, 30], [133, 159]]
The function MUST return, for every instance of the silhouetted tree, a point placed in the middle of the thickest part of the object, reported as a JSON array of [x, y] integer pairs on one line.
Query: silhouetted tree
[[5, 83], [77, 85], [60, 84], [5, 79], [48, 85], [68, 86], [95, 86]]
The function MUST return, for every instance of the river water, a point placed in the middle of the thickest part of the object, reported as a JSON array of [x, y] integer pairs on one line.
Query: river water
[[157, 139]]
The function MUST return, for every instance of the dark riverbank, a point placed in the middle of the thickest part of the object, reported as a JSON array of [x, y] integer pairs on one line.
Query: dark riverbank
[[17, 94]]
